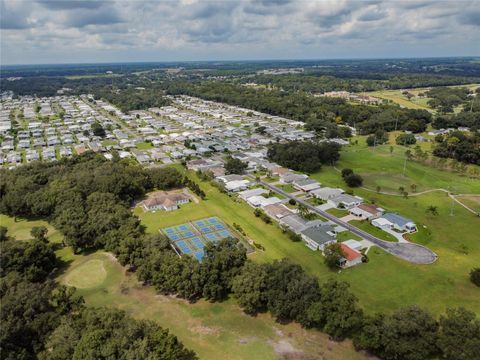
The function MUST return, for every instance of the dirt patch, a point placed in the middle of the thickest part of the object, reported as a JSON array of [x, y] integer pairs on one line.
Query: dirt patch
[[205, 330], [285, 350], [247, 339]]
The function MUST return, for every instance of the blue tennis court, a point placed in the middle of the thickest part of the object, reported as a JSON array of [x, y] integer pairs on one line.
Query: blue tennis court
[[191, 238], [184, 248], [198, 242], [225, 234], [173, 237], [212, 237]]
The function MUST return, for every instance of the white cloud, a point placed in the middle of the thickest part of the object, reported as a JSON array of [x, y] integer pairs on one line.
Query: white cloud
[[122, 30]]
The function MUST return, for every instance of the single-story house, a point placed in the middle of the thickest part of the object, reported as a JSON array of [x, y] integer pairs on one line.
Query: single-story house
[[237, 185], [345, 201], [326, 193], [382, 223], [306, 185], [318, 236], [277, 211], [260, 201], [166, 201], [400, 223], [253, 192], [366, 211], [231, 177], [351, 256], [288, 178], [294, 222]]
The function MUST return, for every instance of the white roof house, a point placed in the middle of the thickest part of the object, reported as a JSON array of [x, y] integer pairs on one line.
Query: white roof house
[[253, 192], [326, 193], [260, 201], [237, 185]]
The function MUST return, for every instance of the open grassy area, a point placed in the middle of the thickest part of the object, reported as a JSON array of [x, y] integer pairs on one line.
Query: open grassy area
[[214, 331], [88, 275], [472, 201], [20, 229], [379, 167]]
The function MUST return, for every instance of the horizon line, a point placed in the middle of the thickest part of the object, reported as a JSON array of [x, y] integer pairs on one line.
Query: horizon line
[[240, 60]]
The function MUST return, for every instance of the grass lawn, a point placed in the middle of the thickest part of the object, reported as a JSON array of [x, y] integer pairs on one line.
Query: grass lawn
[[213, 330], [347, 235], [287, 188], [473, 202], [366, 226], [21, 228], [109, 142], [144, 146], [89, 275], [379, 167], [337, 212]]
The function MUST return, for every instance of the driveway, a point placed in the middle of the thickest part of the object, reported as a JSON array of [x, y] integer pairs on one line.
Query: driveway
[[414, 253]]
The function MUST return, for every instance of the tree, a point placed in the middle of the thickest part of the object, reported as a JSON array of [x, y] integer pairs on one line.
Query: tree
[[459, 335], [98, 129], [409, 333], [303, 210], [33, 259], [3, 233], [475, 276], [432, 210], [336, 311], [39, 233], [405, 139], [250, 286], [332, 255], [391, 149], [413, 187], [290, 292], [221, 263], [346, 172], [354, 180], [235, 166]]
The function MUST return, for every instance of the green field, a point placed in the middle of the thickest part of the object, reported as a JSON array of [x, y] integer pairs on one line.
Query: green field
[[379, 167], [397, 97], [89, 275]]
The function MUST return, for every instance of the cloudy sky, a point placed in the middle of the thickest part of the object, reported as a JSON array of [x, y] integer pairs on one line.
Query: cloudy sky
[[66, 31]]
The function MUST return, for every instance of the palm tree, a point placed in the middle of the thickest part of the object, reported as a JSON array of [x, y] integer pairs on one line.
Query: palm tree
[[432, 210], [302, 210]]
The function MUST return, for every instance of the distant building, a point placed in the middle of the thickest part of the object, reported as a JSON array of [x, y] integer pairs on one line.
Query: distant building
[[167, 201]]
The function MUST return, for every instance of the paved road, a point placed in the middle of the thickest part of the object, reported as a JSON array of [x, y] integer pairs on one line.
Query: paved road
[[410, 252]]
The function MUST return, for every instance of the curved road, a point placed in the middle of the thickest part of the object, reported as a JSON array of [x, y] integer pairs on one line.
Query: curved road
[[414, 253]]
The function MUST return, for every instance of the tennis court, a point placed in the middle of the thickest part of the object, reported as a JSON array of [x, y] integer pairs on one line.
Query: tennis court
[[191, 238]]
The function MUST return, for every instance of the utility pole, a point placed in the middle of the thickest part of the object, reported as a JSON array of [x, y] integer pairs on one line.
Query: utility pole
[[452, 212]]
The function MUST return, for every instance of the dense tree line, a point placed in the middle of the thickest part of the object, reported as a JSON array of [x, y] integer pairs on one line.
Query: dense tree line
[[353, 82], [458, 145], [86, 197], [445, 99], [319, 113], [304, 155]]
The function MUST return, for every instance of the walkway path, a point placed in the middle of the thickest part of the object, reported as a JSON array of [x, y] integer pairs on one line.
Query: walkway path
[[410, 252]]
